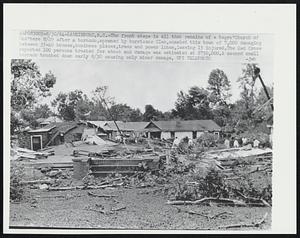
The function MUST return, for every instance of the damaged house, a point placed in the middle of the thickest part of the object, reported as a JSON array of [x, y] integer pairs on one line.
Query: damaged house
[[55, 134], [181, 129]]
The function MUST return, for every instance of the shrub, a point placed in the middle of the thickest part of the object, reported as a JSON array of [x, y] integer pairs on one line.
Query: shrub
[[16, 188]]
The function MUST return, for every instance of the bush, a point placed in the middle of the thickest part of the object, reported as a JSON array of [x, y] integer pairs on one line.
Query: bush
[[16, 189], [207, 139]]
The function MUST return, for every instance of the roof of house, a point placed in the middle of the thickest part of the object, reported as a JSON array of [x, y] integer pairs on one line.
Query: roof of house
[[189, 125], [49, 120], [127, 126], [43, 129], [62, 127], [101, 124]]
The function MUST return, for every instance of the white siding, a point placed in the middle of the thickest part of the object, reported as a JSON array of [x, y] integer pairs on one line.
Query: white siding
[[165, 135], [182, 134], [199, 133]]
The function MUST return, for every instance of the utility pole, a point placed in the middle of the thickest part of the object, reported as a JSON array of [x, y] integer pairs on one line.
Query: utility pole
[[102, 100], [257, 74]]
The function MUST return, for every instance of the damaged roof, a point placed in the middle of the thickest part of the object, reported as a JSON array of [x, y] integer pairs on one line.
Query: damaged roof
[[101, 124], [49, 120], [189, 125], [62, 127]]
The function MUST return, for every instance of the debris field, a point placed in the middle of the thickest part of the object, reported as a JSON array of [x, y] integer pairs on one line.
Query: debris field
[[144, 185]]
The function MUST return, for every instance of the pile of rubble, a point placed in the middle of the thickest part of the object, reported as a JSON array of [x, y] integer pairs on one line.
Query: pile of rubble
[[18, 153], [237, 177]]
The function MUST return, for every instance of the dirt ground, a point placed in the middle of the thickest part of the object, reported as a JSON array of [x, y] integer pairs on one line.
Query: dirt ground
[[144, 209]]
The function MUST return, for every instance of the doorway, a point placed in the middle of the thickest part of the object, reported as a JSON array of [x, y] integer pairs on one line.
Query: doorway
[[156, 134], [36, 142]]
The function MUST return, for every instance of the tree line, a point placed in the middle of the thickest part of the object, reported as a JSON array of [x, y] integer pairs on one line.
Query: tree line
[[28, 85]]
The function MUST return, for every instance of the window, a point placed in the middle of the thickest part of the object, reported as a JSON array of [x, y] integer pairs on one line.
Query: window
[[172, 134]]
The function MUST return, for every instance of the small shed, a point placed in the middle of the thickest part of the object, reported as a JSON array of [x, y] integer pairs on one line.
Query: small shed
[[55, 134]]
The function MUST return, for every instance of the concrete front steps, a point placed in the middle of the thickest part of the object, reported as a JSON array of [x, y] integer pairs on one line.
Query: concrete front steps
[[104, 167]]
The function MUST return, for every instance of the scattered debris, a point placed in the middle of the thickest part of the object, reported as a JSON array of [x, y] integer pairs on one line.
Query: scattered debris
[[118, 208], [204, 215], [241, 225], [21, 154], [48, 181], [207, 200], [43, 186], [101, 195]]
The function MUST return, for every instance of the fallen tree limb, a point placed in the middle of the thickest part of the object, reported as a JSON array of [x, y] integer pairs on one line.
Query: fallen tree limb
[[209, 199], [118, 209], [112, 180], [240, 225], [101, 195], [48, 181], [95, 210], [250, 200], [203, 215], [83, 187], [220, 214]]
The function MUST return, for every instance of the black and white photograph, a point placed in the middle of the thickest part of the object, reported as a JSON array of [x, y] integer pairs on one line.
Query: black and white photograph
[[141, 130]]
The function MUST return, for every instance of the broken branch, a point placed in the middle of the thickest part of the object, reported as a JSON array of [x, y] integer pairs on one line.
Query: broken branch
[[256, 224], [101, 195], [203, 200]]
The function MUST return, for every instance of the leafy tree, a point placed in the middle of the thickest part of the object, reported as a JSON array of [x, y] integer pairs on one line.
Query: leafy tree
[[263, 111], [42, 111], [245, 115], [194, 105], [83, 108], [102, 99], [247, 81], [222, 114], [66, 104], [149, 113], [28, 85], [219, 87], [136, 115], [98, 112], [123, 112]]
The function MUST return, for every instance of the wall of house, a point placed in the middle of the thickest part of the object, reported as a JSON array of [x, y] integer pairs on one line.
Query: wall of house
[[45, 138], [182, 134], [199, 133], [165, 135]]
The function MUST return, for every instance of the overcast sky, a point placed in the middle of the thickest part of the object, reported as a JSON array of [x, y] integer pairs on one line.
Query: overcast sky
[[141, 83]]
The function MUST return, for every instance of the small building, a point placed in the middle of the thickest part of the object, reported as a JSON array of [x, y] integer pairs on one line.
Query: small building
[[55, 134], [181, 129]]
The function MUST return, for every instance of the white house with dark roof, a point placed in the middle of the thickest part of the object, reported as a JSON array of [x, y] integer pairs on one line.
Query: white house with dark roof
[[181, 129]]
